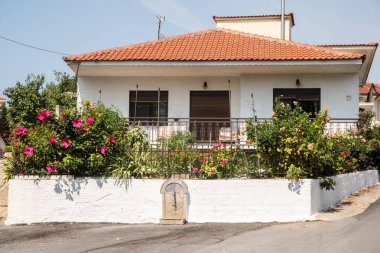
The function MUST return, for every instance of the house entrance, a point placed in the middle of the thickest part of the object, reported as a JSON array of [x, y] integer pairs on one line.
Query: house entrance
[[209, 113]]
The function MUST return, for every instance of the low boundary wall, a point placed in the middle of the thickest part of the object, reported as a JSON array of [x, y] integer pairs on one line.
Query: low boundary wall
[[65, 199]]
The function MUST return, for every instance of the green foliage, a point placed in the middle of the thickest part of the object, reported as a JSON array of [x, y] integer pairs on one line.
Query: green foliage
[[179, 141], [294, 145], [26, 100], [4, 124], [80, 143], [365, 120]]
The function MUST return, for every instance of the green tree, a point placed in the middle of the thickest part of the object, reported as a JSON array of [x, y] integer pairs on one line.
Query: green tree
[[4, 124], [29, 98]]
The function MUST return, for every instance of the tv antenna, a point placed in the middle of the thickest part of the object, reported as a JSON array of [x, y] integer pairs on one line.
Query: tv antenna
[[160, 21]]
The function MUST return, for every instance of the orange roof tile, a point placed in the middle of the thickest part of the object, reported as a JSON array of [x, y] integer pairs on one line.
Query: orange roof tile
[[215, 45], [363, 90]]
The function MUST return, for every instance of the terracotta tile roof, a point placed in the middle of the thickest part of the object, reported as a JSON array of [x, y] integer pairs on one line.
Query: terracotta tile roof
[[291, 15], [349, 45], [363, 90], [215, 45]]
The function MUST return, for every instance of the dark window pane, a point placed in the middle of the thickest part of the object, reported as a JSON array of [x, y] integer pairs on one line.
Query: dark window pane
[[309, 99], [144, 106]]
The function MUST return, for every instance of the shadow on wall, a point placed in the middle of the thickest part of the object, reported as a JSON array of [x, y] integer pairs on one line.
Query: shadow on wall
[[295, 186], [72, 187]]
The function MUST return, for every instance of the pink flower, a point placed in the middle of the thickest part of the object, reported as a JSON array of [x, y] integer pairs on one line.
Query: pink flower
[[202, 170], [50, 168], [66, 143], [195, 170], [212, 171], [84, 130], [42, 115], [224, 161], [77, 123], [211, 164], [203, 161], [28, 151], [112, 139], [52, 140], [22, 130], [103, 150], [89, 120]]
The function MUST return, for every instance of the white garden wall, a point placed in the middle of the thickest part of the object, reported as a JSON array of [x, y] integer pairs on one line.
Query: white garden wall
[[139, 201]]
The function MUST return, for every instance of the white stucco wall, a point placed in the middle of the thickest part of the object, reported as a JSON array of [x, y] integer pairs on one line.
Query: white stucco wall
[[265, 27], [334, 91], [346, 185], [115, 91], [140, 201]]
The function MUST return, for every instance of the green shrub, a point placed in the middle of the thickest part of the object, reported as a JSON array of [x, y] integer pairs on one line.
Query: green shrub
[[85, 142], [8, 148], [294, 145]]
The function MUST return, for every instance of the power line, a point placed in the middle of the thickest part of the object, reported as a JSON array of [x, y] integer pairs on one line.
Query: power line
[[26, 45]]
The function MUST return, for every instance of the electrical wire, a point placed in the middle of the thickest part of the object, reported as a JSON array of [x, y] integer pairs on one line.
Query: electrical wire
[[26, 45]]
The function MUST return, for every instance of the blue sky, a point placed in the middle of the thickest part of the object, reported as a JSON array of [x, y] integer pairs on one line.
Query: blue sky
[[73, 26]]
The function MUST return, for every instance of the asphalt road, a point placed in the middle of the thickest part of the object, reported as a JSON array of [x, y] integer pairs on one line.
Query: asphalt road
[[356, 234]]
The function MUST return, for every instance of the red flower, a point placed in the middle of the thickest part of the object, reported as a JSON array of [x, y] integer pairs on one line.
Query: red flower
[[89, 120], [50, 168], [22, 131], [344, 153], [66, 143], [77, 123], [28, 151], [112, 139], [183, 155], [84, 130], [53, 140], [103, 150], [42, 115]]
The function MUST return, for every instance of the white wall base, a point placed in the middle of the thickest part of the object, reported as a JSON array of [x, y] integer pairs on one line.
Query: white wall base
[[33, 200]]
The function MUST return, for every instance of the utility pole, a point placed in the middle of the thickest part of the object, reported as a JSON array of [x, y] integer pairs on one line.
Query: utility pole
[[160, 21]]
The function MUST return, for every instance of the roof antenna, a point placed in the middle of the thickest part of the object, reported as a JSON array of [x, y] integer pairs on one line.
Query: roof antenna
[[160, 21]]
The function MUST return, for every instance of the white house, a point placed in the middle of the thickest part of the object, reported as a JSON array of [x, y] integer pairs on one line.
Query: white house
[[370, 99], [216, 76]]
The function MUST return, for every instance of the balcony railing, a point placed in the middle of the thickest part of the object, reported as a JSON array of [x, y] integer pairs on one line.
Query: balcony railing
[[230, 131]]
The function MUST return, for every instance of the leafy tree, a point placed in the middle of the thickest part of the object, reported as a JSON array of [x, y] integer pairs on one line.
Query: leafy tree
[[4, 124], [29, 98]]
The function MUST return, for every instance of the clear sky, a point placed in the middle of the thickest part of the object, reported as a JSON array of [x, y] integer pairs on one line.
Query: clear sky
[[74, 26]]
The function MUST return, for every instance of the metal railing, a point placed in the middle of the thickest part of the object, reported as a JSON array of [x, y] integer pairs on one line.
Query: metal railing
[[230, 131]]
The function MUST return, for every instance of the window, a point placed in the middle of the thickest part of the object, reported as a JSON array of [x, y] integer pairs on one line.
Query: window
[[148, 105], [309, 99]]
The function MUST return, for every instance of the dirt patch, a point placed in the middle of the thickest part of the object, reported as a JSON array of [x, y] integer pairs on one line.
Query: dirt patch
[[352, 205]]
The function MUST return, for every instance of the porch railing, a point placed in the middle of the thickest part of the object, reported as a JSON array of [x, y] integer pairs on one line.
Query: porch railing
[[230, 131]]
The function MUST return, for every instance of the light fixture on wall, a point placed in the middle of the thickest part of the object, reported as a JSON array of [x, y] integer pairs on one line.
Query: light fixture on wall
[[298, 82], [205, 85]]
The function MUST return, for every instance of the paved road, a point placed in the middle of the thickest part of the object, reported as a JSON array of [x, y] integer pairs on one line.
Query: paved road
[[355, 234]]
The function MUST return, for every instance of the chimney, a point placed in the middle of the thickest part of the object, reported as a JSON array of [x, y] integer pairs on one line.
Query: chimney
[[266, 25]]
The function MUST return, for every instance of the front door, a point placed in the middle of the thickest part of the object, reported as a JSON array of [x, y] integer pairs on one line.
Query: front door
[[209, 113]]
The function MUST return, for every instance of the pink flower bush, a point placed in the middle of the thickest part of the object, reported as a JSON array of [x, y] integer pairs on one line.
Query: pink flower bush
[[195, 170], [103, 150], [66, 143], [112, 139], [28, 151], [50, 168], [22, 131], [89, 120], [42, 115], [53, 140], [77, 123]]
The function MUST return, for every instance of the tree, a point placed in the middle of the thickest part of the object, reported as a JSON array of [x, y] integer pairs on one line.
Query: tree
[[26, 100], [4, 124]]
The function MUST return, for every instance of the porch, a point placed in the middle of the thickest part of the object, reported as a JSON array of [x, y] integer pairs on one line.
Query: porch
[[229, 131]]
